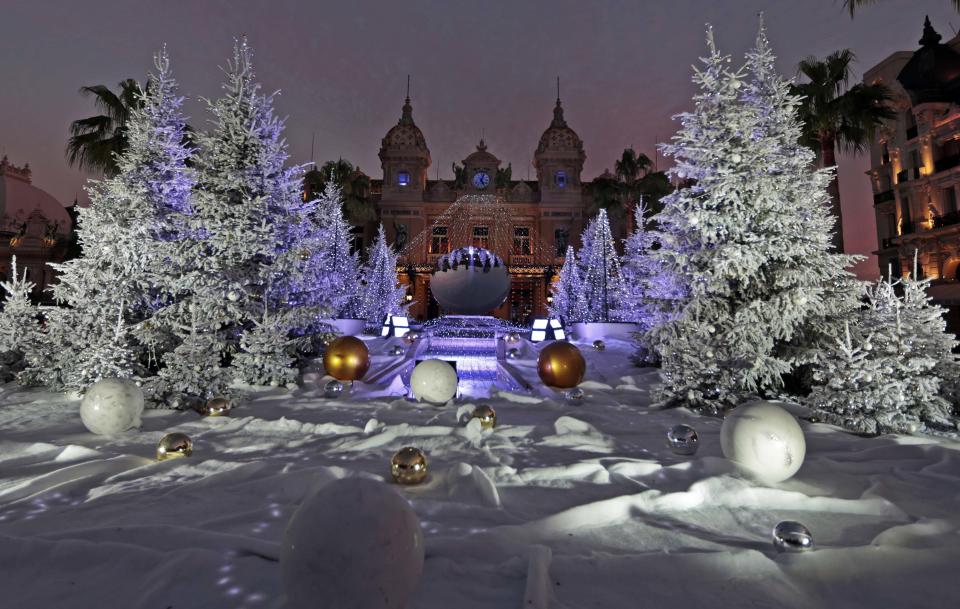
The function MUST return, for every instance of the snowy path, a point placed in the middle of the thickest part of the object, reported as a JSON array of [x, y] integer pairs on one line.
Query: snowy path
[[560, 507]]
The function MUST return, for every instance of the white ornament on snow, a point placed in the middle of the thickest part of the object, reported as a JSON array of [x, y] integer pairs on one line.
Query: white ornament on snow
[[735, 158], [233, 296], [434, 381], [354, 544], [112, 406], [764, 440]]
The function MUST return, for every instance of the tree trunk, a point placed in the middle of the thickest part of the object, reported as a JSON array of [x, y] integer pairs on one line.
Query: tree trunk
[[829, 159]]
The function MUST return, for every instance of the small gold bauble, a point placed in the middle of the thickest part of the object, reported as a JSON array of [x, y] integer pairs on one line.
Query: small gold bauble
[[486, 414], [599, 345], [304, 254], [346, 359], [408, 466], [410, 337], [174, 445], [561, 365], [214, 407]]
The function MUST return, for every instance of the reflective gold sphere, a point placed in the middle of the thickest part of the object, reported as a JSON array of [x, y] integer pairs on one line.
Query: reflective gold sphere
[[214, 407], [174, 445], [408, 466], [486, 414], [561, 365], [346, 359]]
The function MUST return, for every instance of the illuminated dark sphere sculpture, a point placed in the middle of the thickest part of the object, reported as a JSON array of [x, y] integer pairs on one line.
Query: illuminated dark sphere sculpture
[[470, 281]]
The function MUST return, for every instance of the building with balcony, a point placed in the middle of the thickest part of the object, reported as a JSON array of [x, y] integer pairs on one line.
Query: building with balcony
[[915, 166], [34, 227], [542, 216]]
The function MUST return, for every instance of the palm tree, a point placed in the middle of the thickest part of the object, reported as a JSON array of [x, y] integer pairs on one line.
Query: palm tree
[[354, 188], [95, 142], [836, 114], [853, 5]]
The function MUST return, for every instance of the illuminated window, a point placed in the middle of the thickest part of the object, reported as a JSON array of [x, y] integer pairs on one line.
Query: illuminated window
[[439, 243], [521, 240], [403, 178], [481, 236], [560, 179]]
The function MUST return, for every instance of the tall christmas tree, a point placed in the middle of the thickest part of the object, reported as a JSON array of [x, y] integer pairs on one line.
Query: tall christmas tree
[[125, 235], [19, 328], [750, 238], [567, 292], [380, 294], [242, 266], [339, 266], [601, 281]]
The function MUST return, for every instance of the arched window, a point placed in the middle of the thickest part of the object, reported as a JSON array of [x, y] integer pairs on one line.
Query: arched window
[[560, 179], [403, 178]]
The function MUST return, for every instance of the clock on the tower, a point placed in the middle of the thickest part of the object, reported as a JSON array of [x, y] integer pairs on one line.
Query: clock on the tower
[[481, 179]]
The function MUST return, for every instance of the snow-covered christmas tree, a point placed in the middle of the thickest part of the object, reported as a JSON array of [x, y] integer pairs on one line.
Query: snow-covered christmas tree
[[125, 235], [893, 384], [750, 238], [567, 292], [650, 295], [339, 267], [242, 266], [601, 281], [380, 294], [19, 327]]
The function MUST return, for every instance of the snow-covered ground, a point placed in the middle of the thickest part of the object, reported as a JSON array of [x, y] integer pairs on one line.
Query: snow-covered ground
[[561, 506]]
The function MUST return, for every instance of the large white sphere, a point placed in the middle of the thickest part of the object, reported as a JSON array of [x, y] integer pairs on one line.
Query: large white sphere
[[112, 406], [434, 381], [470, 289], [355, 544], [764, 440]]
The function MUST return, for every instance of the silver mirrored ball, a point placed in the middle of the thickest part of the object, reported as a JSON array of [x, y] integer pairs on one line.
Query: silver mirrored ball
[[683, 439], [333, 389], [397, 350], [791, 536], [513, 353], [575, 395], [599, 345]]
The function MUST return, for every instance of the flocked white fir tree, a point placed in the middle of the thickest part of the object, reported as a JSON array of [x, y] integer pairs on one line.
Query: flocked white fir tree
[[242, 262], [566, 292], [650, 294], [338, 265], [380, 292], [601, 283], [750, 238], [894, 385], [19, 326], [124, 234]]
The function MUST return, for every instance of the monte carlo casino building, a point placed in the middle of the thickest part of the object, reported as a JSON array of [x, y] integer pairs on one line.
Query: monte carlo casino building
[[527, 223]]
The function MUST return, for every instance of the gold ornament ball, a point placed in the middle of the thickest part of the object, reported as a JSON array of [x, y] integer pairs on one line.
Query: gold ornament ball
[[410, 337], [346, 359], [408, 466], [174, 445], [304, 254], [486, 414], [599, 345], [561, 365], [214, 407]]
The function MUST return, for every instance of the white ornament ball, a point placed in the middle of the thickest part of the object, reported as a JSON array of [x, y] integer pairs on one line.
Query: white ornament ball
[[233, 296], [434, 381], [764, 440], [354, 544], [735, 158], [112, 406]]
